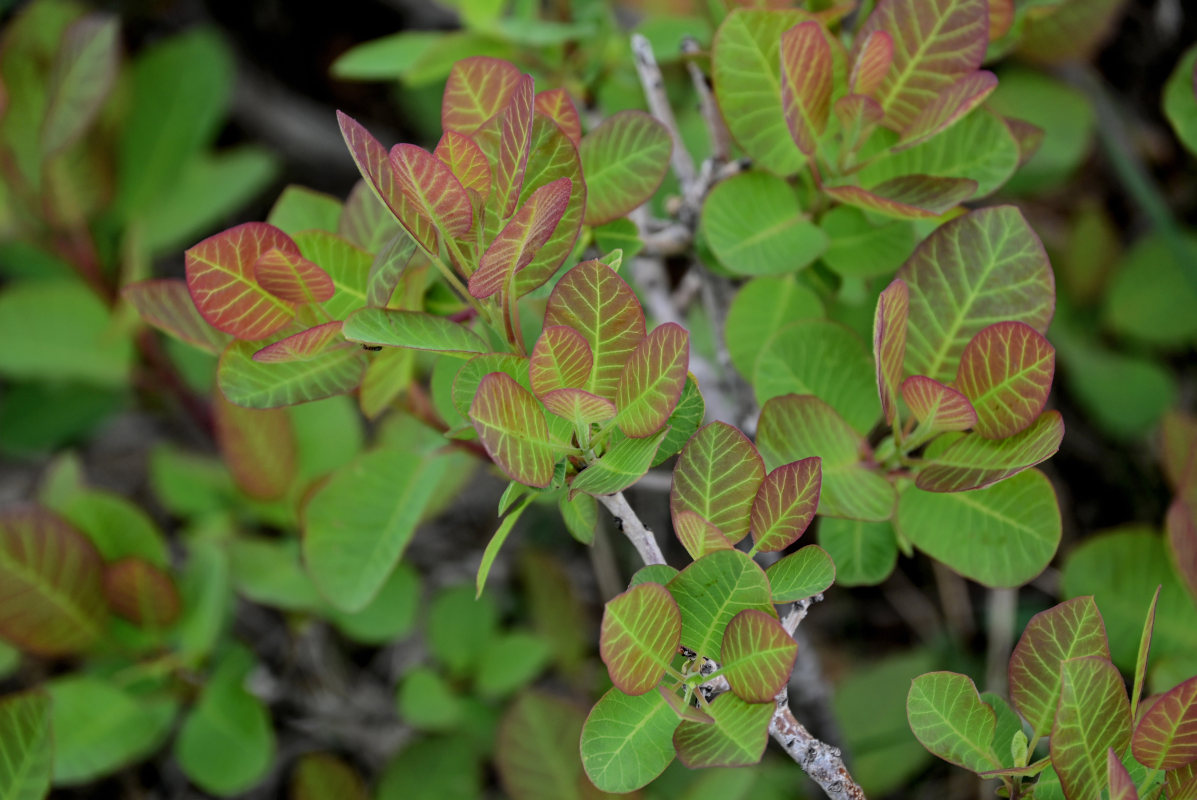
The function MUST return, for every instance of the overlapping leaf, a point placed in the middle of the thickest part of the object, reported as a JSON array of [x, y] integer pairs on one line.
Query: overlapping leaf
[[304, 345], [258, 446], [698, 536], [757, 656], [759, 308], [737, 737], [951, 720], [889, 344], [794, 427], [652, 380], [166, 304], [470, 375], [863, 553], [387, 268], [973, 461], [873, 60], [515, 143], [81, 77], [799, 575], [755, 226], [949, 105], [365, 219], [477, 89], [579, 406], [1121, 785], [1181, 784], [512, 427], [639, 637], [289, 276], [1006, 372], [432, 191], [717, 477], [255, 384], [907, 196], [556, 105], [220, 277], [938, 408], [465, 160], [415, 329], [346, 264], [522, 237], [625, 159], [141, 592], [1181, 525], [627, 741], [1093, 716], [806, 81], [683, 422], [561, 359], [620, 467], [785, 504], [1072, 629], [26, 749], [714, 589], [1165, 736]]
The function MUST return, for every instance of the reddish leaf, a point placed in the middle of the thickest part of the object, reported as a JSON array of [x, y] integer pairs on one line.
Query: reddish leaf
[[512, 427], [514, 145], [639, 637], [1181, 524], [1094, 715], [806, 76], [560, 359], [432, 190], [974, 461], [1121, 785], [873, 60], [556, 105], [477, 89], [785, 504], [578, 406], [51, 584], [859, 116], [950, 105], [1006, 372], [757, 656], [517, 244], [1072, 629], [1181, 784], [258, 445], [376, 167], [1166, 734], [220, 277], [141, 593], [908, 196], [466, 160], [938, 408], [889, 344], [698, 536], [684, 710], [321, 776], [736, 738], [304, 345], [289, 276], [624, 160], [652, 380], [1001, 18], [597, 303], [934, 45], [717, 476], [166, 304]]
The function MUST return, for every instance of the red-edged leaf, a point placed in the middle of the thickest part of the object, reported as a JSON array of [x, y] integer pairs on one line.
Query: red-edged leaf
[[1001, 18], [859, 116], [736, 738], [51, 584], [1072, 629], [166, 304], [1166, 734], [477, 89], [515, 141], [578, 406], [806, 73], [1028, 136], [600, 305], [889, 344], [1181, 524], [622, 465], [466, 160], [717, 476], [934, 45], [289, 276], [1006, 372], [1178, 449], [757, 656], [652, 380], [683, 710], [698, 536], [950, 719], [387, 269], [624, 160], [415, 329], [512, 427], [950, 105], [1094, 715], [1121, 785], [561, 359], [255, 384], [306, 344], [321, 776], [518, 242], [258, 445], [141, 593], [785, 504], [1181, 783], [375, 165], [556, 105], [220, 277], [975, 461], [908, 196], [938, 408], [432, 189], [84, 70], [639, 637], [873, 60]]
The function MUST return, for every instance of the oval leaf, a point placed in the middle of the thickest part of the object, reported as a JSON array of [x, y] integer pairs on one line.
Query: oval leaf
[[639, 637], [1094, 715], [757, 656], [415, 329], [627, 741], [477, 89], [511, 424], [142, 593], [785, 504], [561, 359], [291, 277], [736, 738], [806, 80], [1006, 372], [521, 238], [698, 536], [255, 384], [1166, 735], [304, 345], [717, 477], [938, 408], [889, 344], [26, 744], [166, 304], [652, 380], [624, 159], [755, 226], [800, 575], [711, 591], [974, 462], [951, 720]]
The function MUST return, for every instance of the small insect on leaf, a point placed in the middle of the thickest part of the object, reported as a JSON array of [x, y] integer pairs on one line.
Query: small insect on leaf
[[373, 348]]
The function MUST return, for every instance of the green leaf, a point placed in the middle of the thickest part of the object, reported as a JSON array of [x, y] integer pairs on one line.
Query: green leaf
[[1165, 736], [624, 159], [390, 616], [984, 267], [950, 719], [359, 522], [580, 515], [299, 208], [639, 637], [26, 747], [653, 573], [511, 424], [431, 769], [755, 226], [862, 248], [166, 304], [414, 329], [511, 661], [824, 359], [536, 750], [806, 83], [1006, 372], [268, 572], [973, 462], [1094, 715], [1150, 288], [1180, 100], [757, 656], [460, 626], [627, 741], [907, 196], [805, 573], [711, 591], [496, 543], [793, 427], [683, 422], [717, 477], [226, 743], [59, 330], [652, 381], [207, 593], [738, 736], [785, 504], [51, 588], [427, 702], [864, 553], [117, 527], [1002, 535], [1072, 629], [759, 308], [320, 775], [889, 344], [698, 536], [81, 77], [1141, 660], [386, 58], [257, 384], [620, 467], [347, 264]]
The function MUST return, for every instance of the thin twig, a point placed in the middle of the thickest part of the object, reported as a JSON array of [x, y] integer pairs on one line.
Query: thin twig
[[627, 521], [658, 104], [716, 127], [1002, 608]]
